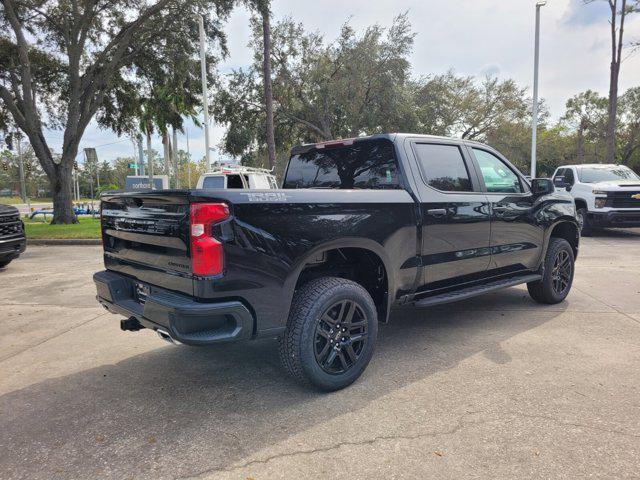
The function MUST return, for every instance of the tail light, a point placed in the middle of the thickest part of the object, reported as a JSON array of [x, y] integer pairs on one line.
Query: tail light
[[207, 256]]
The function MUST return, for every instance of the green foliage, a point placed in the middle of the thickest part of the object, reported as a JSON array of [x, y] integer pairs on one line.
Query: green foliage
[[356, 84], [86, 228]]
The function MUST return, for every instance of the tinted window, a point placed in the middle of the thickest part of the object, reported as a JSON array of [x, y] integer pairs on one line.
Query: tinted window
[[568, 177], [443, 167], [213, 182], [366, 164], [498, 178], [234, 181]]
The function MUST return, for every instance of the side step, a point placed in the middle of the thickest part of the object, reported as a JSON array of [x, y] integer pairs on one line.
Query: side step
[[476, 290]]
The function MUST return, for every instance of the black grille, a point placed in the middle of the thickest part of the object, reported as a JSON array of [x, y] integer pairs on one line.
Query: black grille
[[10, 225], [623, 199]]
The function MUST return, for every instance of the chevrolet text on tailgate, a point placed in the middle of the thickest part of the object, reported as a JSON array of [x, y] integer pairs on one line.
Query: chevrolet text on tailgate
[[360, 226]]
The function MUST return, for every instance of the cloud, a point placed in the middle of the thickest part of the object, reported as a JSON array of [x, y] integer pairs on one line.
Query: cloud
[[490, 70], [581, 13]]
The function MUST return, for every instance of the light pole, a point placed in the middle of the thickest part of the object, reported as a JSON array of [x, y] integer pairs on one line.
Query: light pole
[[205, 90], [534, 120]]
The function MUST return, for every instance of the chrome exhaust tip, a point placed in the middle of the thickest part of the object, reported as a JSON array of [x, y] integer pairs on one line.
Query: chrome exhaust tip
[[163, 334]]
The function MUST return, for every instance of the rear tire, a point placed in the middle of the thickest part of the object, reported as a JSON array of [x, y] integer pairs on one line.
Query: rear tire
[[558, 273], [331, 333]]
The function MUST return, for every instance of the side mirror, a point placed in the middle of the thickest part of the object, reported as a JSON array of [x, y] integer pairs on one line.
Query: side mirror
[[542, 186]]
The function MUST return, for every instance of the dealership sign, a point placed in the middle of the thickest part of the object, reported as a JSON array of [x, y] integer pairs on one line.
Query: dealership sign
[[138, 182]]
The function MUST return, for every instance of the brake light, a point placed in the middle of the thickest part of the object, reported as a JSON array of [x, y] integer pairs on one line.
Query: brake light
[[207, 256], [335, 143]]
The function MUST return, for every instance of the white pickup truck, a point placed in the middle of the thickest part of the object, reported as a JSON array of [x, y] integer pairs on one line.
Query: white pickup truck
[[605, 195], [238, 176]]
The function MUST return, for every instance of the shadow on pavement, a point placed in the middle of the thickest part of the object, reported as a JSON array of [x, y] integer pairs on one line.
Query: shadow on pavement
[[616, 233], [178, 411]]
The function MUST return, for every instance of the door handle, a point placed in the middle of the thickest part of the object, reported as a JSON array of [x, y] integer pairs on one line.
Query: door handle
[[500, 208], [437, 212]]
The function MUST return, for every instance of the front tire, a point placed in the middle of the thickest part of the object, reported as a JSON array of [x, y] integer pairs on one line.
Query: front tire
[[331, 333], [559, 266], [583, 221]]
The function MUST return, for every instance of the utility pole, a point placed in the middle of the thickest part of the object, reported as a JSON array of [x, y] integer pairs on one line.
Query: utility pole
[[23, 190], [186, 131], [205, 91], [135, 155], [534, 120], [140, 155], [174, 151]]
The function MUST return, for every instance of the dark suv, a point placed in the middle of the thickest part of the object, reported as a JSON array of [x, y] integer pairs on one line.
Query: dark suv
[[12, 238]]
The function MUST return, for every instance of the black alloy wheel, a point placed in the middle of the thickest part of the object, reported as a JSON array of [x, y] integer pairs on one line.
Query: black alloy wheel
[[331, 333], [562, 272], [340, 337]]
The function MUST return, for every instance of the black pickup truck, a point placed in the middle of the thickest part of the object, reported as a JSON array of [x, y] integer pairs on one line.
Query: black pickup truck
[[12, 236], [359, 227]]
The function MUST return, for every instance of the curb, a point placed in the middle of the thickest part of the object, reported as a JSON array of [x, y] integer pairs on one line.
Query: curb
[[64, 241]]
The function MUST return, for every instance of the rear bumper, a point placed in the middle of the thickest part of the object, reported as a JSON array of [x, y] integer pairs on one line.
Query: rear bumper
[[11, 248], [615, 219], [184, 319]]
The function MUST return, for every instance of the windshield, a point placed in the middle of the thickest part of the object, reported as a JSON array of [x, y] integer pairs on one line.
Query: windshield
[[604, 174]]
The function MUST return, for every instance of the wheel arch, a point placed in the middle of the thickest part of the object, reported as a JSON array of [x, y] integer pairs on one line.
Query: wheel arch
[[581, 203], [340, 257], [566, 228]]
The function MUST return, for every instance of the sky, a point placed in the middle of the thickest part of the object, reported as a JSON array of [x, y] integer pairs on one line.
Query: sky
[[470, 37]]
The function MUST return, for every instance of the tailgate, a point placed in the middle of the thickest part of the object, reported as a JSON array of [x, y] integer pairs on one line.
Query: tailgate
[[146, 236]]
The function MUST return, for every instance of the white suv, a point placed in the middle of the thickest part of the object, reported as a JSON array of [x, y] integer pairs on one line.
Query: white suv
[[605, 195]]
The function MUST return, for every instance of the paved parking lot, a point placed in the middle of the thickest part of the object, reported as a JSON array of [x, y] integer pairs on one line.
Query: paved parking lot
[[494, 387]]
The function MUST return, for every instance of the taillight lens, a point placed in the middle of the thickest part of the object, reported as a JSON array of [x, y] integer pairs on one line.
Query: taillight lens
[[207, 256]]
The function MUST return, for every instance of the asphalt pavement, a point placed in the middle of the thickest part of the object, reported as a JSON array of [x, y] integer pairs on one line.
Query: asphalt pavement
[[493, 387]]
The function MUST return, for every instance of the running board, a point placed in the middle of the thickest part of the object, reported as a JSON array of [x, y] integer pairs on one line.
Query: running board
[[476, 290]]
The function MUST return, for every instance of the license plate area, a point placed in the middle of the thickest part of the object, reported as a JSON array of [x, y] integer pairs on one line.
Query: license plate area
[[142, 292]]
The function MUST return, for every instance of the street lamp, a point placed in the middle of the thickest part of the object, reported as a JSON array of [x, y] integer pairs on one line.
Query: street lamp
[[536, 59], [205, 91]]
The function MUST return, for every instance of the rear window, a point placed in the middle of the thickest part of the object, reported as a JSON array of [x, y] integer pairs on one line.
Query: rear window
[[365, 164], [443, 167], [213, 182]]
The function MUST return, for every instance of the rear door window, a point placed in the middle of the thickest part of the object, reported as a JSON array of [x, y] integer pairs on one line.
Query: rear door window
[[364, 164], [443, 167]]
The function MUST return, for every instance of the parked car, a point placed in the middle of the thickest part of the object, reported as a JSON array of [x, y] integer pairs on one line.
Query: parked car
[[360, 227], [12, 237], [238, 176], [605, 195]]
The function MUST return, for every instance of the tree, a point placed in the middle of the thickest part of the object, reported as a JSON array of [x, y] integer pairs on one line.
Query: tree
[[354, 85], [65, 63], [629, 126], [586, 114], [264, 10], [619, 10], [460, 106]]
